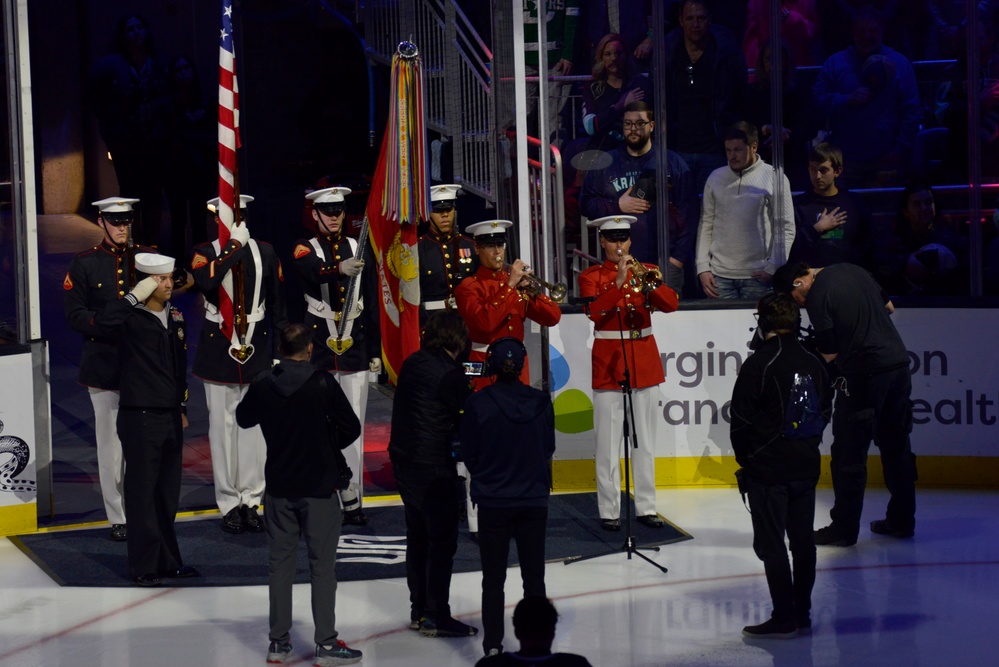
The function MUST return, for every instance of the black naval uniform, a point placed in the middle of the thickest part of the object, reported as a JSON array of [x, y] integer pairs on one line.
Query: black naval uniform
[[212, 361], [97, 276], [315, 272], [153, 393], [444, 262]]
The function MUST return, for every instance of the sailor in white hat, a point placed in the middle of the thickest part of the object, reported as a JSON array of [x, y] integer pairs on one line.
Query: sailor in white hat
[[622, 295], [151, 417], [339, 280], [98, 276], [242, 276], [446, 256]]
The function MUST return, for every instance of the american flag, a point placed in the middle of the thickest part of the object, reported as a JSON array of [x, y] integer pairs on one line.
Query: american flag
[[228, 143]]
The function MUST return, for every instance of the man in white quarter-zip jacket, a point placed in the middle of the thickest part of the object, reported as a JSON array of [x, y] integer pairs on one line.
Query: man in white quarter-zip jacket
[[741, 239]]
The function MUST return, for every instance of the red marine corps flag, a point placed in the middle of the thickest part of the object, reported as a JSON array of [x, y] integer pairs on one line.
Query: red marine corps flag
[[398, 201]]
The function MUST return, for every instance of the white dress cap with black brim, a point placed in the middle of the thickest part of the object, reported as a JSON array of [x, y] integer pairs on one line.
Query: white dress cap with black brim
[[115, 205], [447, 192], [489, 231], [213, 204], [613, 223], [153, 264], [334, 195]]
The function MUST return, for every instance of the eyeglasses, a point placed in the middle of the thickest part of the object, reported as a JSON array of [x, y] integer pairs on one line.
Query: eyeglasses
[[637, 124], [690, 74]]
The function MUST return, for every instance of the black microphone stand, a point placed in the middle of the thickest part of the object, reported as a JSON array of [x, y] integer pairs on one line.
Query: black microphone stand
[[628, 419]]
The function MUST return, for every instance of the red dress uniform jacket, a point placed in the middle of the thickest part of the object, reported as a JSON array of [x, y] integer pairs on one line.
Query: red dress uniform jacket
[[613, 309], [493, 310]]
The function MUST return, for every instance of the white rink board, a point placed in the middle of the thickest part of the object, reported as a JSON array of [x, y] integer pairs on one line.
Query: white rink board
[[953, 358]]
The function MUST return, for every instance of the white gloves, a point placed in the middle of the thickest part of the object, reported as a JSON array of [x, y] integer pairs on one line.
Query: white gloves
[[351, 267], [375, 365], [240, 233], [145, 288]]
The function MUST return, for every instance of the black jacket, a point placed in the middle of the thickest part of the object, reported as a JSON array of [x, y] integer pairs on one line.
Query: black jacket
[[760, 412], [429, 399], [153, 357], [291, 407], [507, 440]]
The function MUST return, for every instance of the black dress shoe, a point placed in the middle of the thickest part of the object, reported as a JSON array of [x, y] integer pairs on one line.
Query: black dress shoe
[[251, 520], [612, 525], [832, 536], [119, 533], [232, 522], [147, 580], [355, 518], [651, 521], [882, 527], [183, 572]]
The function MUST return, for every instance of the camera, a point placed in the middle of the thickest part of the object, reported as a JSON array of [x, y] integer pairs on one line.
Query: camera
[[473, 368]]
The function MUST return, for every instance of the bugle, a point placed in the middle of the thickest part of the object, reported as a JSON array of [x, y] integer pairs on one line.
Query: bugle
[[556, 291], [649, 278]]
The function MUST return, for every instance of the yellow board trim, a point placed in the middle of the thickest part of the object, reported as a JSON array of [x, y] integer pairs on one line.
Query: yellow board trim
[[18, 519], [934, 471]]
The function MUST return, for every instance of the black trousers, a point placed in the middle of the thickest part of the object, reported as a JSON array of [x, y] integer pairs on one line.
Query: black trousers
[[152, 443], [873, 407], [497, 526], [431, 542], [781, 508]]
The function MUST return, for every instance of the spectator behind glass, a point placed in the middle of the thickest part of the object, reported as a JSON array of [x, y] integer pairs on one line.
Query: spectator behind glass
[[705, 83], [799, 29], [616, 83], [868, 93], [930, 258], [908, 24], [832, 224], [799, 115], [192, 162], [130, 103], [953, 98]]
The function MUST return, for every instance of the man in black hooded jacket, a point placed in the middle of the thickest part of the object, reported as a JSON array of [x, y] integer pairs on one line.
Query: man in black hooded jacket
[[507, 441], [305, 418], [781, 403]]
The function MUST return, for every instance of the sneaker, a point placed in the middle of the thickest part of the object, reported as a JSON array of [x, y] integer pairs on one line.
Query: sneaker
[[448, 627], [337, 654], [832, 536], [492, 651], [147, 580], [882, 527], [278, 652], [771, 629], [611, 525], [251, 520], [232, 522], [119, 533], [651, 521], [415, 619]]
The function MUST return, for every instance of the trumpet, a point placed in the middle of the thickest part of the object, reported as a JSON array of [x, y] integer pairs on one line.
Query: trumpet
[[649, 278], [535, 285]]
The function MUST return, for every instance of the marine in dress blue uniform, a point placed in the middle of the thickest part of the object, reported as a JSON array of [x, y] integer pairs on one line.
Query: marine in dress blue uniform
[[237, 454], [326, 263], [446, 256]]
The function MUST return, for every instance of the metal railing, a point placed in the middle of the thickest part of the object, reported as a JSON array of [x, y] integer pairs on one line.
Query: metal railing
[[548, 244], [458, 92]]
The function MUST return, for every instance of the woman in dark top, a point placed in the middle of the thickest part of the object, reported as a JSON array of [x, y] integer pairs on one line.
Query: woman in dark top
[[616, 83]]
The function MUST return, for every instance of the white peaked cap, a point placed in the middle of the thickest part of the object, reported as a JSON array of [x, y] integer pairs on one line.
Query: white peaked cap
[[489, 228], [115, 204], [444, 192], [213, 204], [613, 222], [328, 195]]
